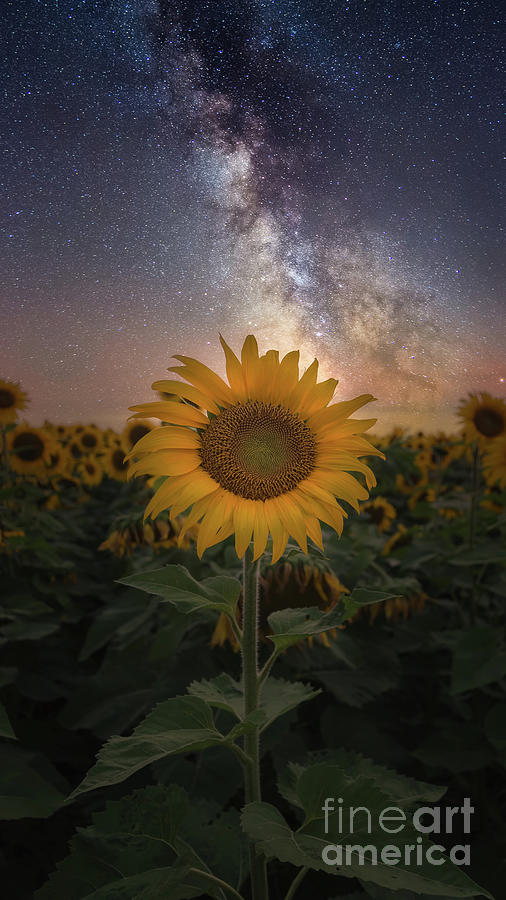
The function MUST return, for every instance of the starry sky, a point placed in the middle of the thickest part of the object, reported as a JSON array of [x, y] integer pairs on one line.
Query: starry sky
[[322, 174]]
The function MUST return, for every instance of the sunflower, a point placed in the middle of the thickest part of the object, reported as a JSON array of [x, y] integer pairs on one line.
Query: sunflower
[[90, 471], [269, 455], [90, 439], [59, 460], [494, 463], [289, 586], [133, 432], [484, 418], [115, 464], [12, 398], [395, 609], [380, 512], [29, 449]]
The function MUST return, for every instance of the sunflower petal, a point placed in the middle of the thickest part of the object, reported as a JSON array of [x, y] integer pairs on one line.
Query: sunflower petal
[[244, 522], [169, 411], [234, 372], [278, 531], [188, 391]]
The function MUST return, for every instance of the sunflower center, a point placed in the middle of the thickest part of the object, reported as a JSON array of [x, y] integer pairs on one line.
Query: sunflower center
[[376, 514], [488, 422], [118, 460], [257, 450], [7, 399], [89, 440], [137, 432], [28, 446]]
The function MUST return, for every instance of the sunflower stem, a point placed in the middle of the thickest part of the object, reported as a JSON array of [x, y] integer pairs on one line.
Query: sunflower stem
[[259, 888], [472, 526]]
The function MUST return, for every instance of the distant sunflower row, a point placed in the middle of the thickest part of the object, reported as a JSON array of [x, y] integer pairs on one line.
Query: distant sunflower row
[[88, 452]]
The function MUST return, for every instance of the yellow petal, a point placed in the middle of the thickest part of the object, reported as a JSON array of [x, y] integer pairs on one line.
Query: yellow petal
[[199, 484], [244, 521], [197, 511], [211, 523], [292, 518], [303, 388], [343, 485], [277, 529], [288, 375], [166, 437], [234, 372], [314, 531], [188, 391], [250, 367], [168, 411], [344, 428], [261, 530], [164, 496], [332, 515], [331, 415], [319, 396], [204, 379], [166, 462]]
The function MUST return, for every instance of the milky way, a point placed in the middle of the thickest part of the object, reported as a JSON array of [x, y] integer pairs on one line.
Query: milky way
[[324, 175]]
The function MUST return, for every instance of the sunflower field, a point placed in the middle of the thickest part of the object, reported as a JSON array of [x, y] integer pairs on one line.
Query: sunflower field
[[242, 614]]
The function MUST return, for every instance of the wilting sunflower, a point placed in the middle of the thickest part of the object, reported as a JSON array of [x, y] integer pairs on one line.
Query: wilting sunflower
[[494, 463], [269, 456], [484, 418], [29, 449], [380, 512], [289, 586], [115, 463], [133, 432], [12, 398]]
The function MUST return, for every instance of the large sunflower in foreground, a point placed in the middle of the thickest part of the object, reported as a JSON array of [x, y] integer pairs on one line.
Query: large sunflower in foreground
[[264, 454], [12, 398], [484, 417]]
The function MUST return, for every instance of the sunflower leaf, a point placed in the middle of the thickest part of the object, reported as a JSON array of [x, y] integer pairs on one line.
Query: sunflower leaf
[[179, 725], [362, 833], [175, 585], [289, 626], [278, 696]]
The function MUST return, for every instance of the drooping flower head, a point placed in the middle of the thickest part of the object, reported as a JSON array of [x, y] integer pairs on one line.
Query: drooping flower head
[[263, 454]]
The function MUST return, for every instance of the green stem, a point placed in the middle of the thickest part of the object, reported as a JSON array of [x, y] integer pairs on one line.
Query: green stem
[[474, 497], [218, 882], [264, 673], [259, 889], [472, 526], [295, 883]]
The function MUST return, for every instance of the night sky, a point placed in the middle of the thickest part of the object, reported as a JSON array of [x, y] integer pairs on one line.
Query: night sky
[[323, 174]]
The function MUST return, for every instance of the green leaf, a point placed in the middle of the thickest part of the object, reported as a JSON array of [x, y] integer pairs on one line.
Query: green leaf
[[479, 659], [399, 787], [179, 725], [289, 626], [480, 556], [144, 846], [278, 696], [5, 726], [304, 847], [26, 792], [175, 585], [495, 726]]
